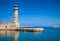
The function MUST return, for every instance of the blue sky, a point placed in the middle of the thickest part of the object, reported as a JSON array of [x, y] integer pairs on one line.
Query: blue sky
[[31, 12]]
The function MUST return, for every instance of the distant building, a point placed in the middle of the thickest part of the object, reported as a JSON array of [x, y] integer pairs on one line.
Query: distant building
[[7, 25], [11, 25]]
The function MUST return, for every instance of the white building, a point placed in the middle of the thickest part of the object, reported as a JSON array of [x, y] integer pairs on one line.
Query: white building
[[11, 25]]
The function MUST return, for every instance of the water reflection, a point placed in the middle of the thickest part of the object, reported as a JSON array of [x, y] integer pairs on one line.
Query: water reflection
[[16, 35], [49, 34], [9, 35]]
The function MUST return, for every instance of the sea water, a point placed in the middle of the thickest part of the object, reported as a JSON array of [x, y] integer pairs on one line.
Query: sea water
[[49, 34]]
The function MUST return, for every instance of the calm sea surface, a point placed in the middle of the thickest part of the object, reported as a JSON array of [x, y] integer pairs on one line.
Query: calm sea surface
[[49, 34]]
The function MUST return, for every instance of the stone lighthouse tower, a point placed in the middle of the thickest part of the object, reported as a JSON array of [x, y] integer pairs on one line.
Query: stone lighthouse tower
[[16, 16]]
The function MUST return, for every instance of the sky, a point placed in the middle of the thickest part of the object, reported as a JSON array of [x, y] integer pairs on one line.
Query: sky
[[31, 12]]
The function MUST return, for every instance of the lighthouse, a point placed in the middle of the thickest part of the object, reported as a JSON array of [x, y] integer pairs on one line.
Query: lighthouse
[[16, 16]]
